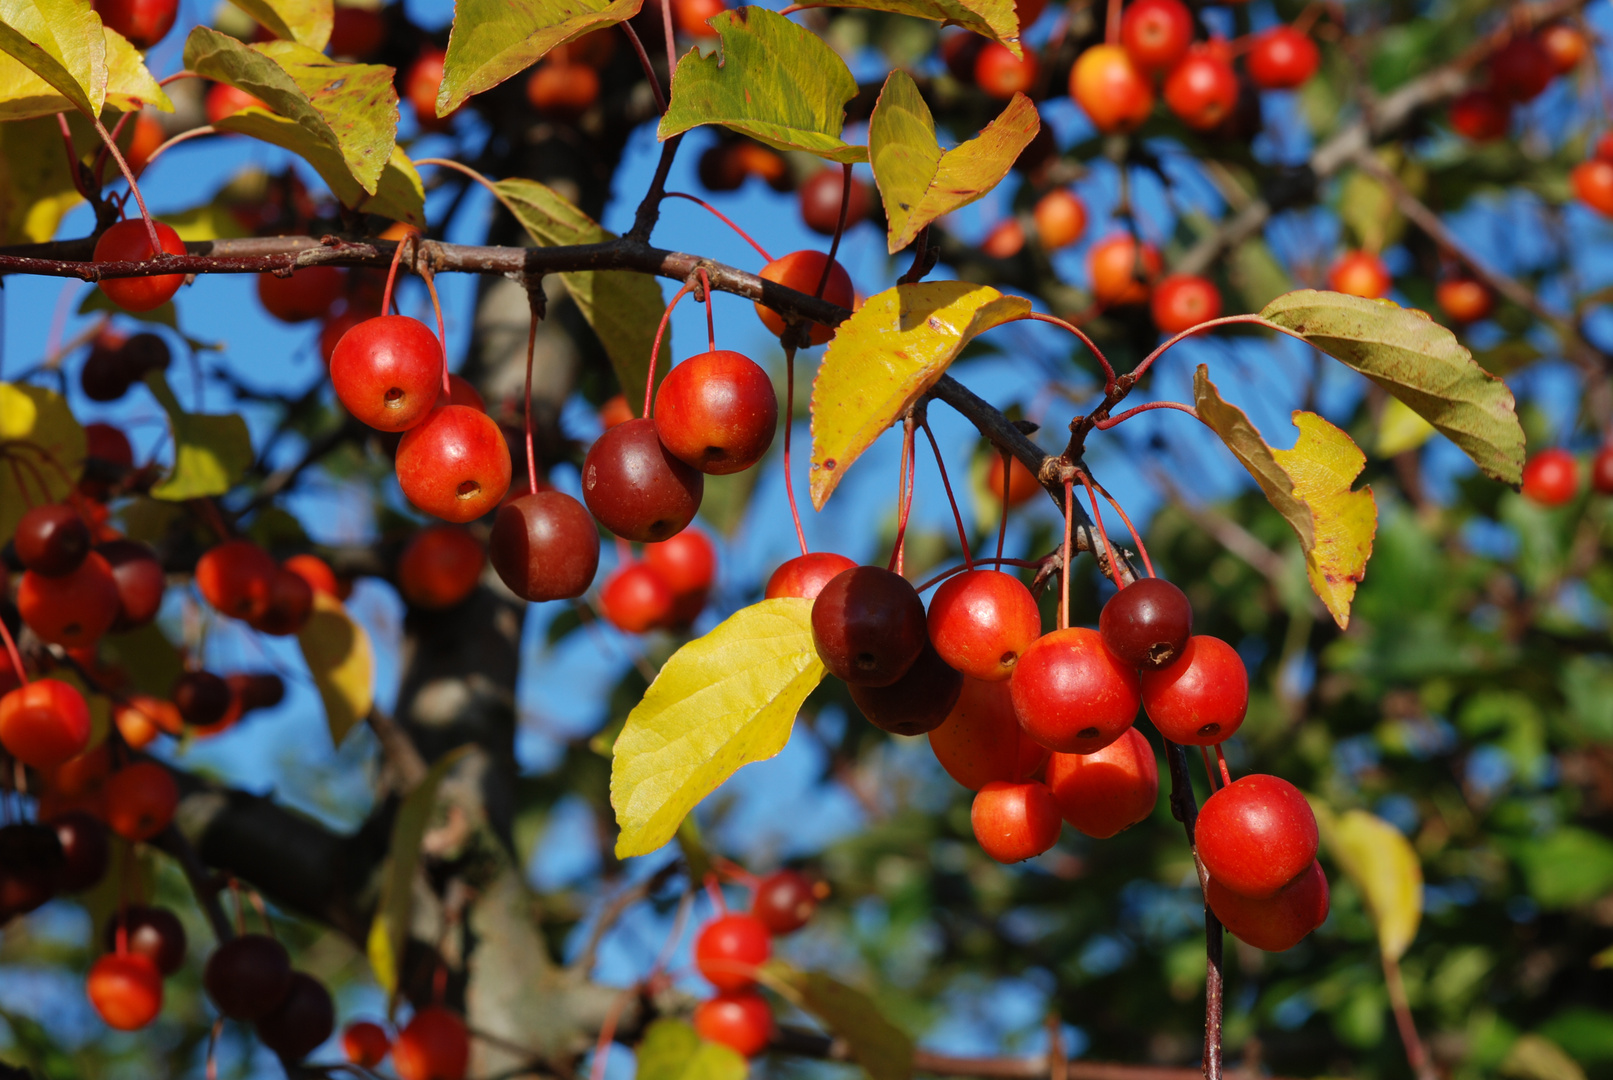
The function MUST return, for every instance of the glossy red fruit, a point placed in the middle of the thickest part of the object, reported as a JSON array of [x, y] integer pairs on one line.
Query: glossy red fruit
[[690, 16], [688, 564], [365, 1043], [740, 1021], [1001, 75], [143, 22], [1005, 240], [316, 572], [1521, 69], [1100, 794], [140, 800], [1120, 270], [247, 976], [301, 1022], [256, 690], [820, 194], [1551, 477], [1201, 697], [420, 86], [786, 899], [981, 621], [801, 271], [1481, 116], [1060, 217], [1593, 184], [1276, 923], [84, 847], [141, 719], [1111, 89], [302, 295], [917, 702], [103, 442], [291, 601], [125, 990], [148, 134], [981, 740], [1147, 623], [202, 698], [717, 411], [1183, 301], [51, 539], [73, 610], [636, 487], [562, 91], [1464, 299], [636, 599], [806, 575], [439, 567], [1072, 694], [434, 1046], [224, 100], [1256, 835], [545, 546], [356, 33], [730, 948], [454, 464], [1359, 273], [128, 241], [1156, 33], [153, 932], [1015, 821], [1282, 58], [235, 578], [1022, 483], [387, 371], [31, 865], [1564, 44], [868, 625], [1602, 471], [139, 579], [1202, 89]]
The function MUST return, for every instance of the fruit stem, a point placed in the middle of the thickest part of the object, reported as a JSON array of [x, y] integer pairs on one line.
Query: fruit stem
[[11, 651], [134, 188], [957, 516], [531, 458], [906, 476], [1225, 320], [1002, 521], [1108, 369], [840, 228], [607, 1030], [1105, 425], [1221, 760], [1209, 770], [442, 334], [1064, 551], [671, 42], [711, 325], [1097, 520], [644, 62], [99, 164], [789, 425], [74, 167], [1142, 549], [392, 277], [714, 894], [655, 350], [724, 218], [1416, 1055]]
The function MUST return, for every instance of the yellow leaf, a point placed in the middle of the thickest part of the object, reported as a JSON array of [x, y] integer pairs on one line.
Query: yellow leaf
[[307, 22], [1384, 866], [41, 451], [1400, 429], [994, 19], [338, 654], [24, 95], [61, 42], [721, 701], [887, 356], [1534, 1057]]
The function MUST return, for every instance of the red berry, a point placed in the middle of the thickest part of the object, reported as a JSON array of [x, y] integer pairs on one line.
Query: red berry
[[1593, 184], [52, 540], [1282, 58], [1001, 75], [981, 621], [140, 581], [1111, 89], [73, 610], [1147, 623], [365, 1043], [1464, 299], [1022, 483], [729, 950], [301, 1022], [140, 800], [387, 371], [1481, 116], [562, 91], [461, 392], [916, 702], [420, 86], [1202, 89], [291, 601], [1359, 273], [1551, 477], [1256, 835], [636, 599], [1565, 45], [868, 625], [439, 567], [1005, 240], [717, 411], [148, 134], [302, 295], [1279, 922], [356, 33], [690, 16], [1199, 699], [688, 564], [454, 464], [1113, 789], [1183, 301], [1602, 471], [806, 575], [125, 990], [801, 271], [1015, 821], [1072, 694], [31, 865], [153, 932], [127, 241], [545, 546], [1028, 11], [224, 100], [85, 848], [1521, 69], [143, 22], [786, 899], [103, 442], [235, 577], [820, 200], [259, 690], [1120, 271], [740, 1021], [434, 1046], [316, 572], [202, 698], [1156, 33], [981, 740], [635, 486], [247, 976], [615, 411]]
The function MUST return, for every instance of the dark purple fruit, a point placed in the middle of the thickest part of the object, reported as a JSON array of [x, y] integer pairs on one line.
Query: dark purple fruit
[[247, 976], [636, 488], [545, 546], [303, 1020], [31, 864], [868, 626], [1147, 623], [915, 703], [202, 698], [52, 540], [84, 847], [153, 932]]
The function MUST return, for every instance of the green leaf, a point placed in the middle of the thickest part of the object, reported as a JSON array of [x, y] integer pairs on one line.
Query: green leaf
[[41, 451], [770, 79], [389, 930], [1384, 866], [880, 1047], [307, 22], [23, 94], [211, 453], [1418, 361], [1568, 868], [36, 190], [920, 182], [494, 39], [153, 662], [994, 19], [721, 701], [623, 308], [1257, 275], [1368, 210], [671, 1050], [61, 42], [887, 356], [342, 663]]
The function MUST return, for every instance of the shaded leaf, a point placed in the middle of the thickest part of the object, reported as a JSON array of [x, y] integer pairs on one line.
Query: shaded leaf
[[1534, 1057], [41, 451], [494, 39], [1400, 429], [61, 42], [1257, 275], [880, 1047], [36, 190], [671, 1050], [721, 701], [994, 19], [23, 94], [770, 79], [888, 355], [389, 930], [1384, 866], [211, 453], [1368, 210], [153, 662], [920, 182], [342, 663], [1419, 362], [306, 22], [1568, 868]]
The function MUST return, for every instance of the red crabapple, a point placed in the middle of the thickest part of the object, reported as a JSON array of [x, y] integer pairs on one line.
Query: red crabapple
[[1015, 821]]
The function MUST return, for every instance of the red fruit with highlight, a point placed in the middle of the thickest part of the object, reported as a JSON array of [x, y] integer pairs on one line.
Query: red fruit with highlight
[[316, 572], [1156, 33], [1100, 794], [420, 87], [1202, 89], [981, 740], [740, 1021], [1551, 477], [128, 241], [1001, 75], [73, 610], [365, 1043], [820, 200], [51, 539], [786, 899], [140, 800], [1147, 624], [140, 581], [806, 575], [688, 564], [1564, 44], [1201, 697], [717, 411], [439, 567], [636, 487], [143, 22], [1005, 240], [545, 546], [868, 625], [454, 464], [981, 621], [690, 16], [1359, 273], [125, 990], [801, 271], [730, 948], [387, 371], [1072, 694], [1464, 299], [1276, 923], [1481, 116], [235, 577], [1120, 271], [1183, 301], [1256, 835], [434, 1046], [84, 847], [1015, 821], [1060, 217], [1593, 184], [636, 599], [1111, 89], [153, 932], [1282, 58]]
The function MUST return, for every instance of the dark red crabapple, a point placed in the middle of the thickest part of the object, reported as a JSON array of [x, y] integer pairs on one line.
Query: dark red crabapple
[[140, 800], [915, 703], [31, 865], [1147, 623], [1278, 922], [127, 241], [84, 846], [1551, 477], [1015, 821], [153, 932], [1113, 789], [1072, 694], [545, 546], [143, 22], [439, 567], [636, 599], [301, 1022], [730, 948], [1521, 69], [981, 740], [636, 487], [51, 539], [1201, 697], [1602, 471], [247, 976], [717, 411], [45, 723], [1183, 301], [235, 578], [820, 200], [454, 464], [688, 564], [868, 625], [1282, 58], [740, 1021], [805, 575], [140, 581], [1256, 835], [201, 697], [73, 610], [125, 990], [1156, 33], [291, 602], [786, 899], [316, 572], [387, 371], [256, 690], [801, 271], [103, 442], [433, 1046], [1480, 115], [980, 621], [365, 1043]]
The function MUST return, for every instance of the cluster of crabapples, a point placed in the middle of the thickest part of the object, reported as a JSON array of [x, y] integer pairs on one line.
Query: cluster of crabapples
[[1551, 477], [1516, 74], [433, 1045]]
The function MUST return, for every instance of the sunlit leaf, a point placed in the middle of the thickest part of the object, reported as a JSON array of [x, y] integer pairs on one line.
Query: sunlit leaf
[[307, 22], [671, 1050], [1384, 866], [23, 94], [61, 42], [211, 453], [342, 663], [770, 79], [920, 182], [880, 1047], [1535, 1057], [721, 701], [1400, 430], [41, 451], [1418, 361], [885, 357], [994, 19], [494, 39]]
